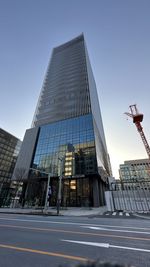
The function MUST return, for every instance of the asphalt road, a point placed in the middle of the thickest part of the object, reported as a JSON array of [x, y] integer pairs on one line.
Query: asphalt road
[[39, 241]]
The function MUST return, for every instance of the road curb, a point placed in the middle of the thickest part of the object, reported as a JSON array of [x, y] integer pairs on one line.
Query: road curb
[[30, 213], [141, 216]]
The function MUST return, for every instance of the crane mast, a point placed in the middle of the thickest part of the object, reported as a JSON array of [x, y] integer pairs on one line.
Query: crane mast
[[137, 119]]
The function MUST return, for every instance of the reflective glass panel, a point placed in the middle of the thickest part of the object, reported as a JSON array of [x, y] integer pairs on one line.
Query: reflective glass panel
[[66, 147]]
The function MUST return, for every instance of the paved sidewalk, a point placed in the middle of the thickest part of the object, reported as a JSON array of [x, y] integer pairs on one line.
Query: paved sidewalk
[[71, 211]]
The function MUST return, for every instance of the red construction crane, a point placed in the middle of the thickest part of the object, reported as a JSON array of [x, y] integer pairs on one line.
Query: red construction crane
[[137, 119]]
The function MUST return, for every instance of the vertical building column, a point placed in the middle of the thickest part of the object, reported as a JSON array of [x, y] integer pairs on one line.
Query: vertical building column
[[101, 193], [96, 200]]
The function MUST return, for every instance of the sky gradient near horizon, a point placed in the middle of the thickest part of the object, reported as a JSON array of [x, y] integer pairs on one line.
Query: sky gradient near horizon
[[117, 35]]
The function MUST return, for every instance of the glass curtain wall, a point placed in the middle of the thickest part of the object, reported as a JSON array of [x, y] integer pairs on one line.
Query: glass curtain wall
[[67, 147], [71, 140], [9, 150]]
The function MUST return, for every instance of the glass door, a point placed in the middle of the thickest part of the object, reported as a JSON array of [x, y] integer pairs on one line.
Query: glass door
[[73, 193]]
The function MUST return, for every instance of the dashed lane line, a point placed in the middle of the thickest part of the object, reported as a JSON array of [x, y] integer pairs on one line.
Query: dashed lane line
[[73, 223], [115, 230], [74, 232]]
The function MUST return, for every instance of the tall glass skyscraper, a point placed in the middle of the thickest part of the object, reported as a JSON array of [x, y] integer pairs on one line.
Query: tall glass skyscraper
[[67, 135]]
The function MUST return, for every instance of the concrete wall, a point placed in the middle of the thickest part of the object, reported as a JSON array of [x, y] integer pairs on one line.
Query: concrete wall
[[109, 201]]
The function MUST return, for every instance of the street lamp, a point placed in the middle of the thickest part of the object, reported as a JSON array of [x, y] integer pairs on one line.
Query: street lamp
[[48, 183], [60, 185]]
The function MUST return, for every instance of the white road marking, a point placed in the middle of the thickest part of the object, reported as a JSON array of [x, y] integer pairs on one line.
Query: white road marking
[[72, 223], [114, 230], [105, 245], [120, 213], [94, 228], [95, 244], [107, 214]]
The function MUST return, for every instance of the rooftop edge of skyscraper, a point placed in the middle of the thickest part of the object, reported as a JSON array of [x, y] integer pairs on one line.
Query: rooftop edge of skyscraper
[[69, 43]]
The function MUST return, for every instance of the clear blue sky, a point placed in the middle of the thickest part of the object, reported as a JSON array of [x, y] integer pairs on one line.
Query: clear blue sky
[[117, 34]]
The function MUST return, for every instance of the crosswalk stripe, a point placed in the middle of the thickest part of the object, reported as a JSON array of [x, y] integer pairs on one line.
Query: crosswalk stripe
[[115, 213]]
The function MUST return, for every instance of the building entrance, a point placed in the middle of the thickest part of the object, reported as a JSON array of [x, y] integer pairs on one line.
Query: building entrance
[[76, 192]]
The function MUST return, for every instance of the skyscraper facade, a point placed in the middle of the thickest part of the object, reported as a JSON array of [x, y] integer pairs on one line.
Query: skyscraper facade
[[67, 136], [9, 150]]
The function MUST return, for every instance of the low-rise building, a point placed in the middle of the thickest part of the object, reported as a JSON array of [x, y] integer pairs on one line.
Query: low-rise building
[[135, 170]]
